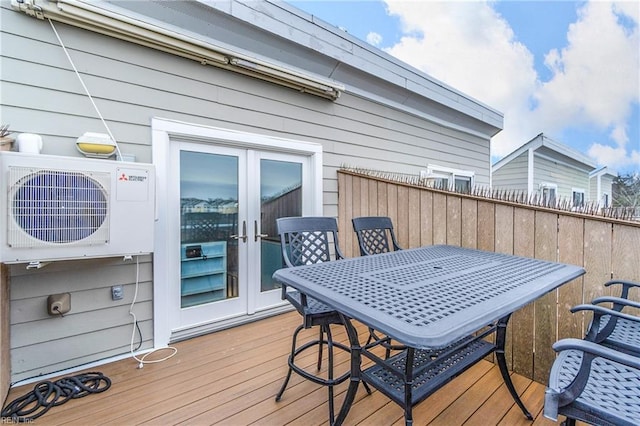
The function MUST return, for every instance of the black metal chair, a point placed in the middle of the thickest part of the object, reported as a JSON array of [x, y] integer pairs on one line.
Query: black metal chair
[[375, 235], [304, 241], [612, 327], [593, 383]]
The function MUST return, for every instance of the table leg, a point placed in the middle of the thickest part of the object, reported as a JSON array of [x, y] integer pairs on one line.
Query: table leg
[[354, 379], [501, 337], [408, 387]]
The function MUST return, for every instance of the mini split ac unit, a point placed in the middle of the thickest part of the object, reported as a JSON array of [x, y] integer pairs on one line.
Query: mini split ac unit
[[56, 208]]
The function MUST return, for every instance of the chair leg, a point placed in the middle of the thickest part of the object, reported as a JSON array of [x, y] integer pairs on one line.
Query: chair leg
[[330, 370], [320, 339], [291, 361]]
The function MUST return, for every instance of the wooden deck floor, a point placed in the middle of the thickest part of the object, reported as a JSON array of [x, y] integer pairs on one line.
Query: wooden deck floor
[[230, 378]]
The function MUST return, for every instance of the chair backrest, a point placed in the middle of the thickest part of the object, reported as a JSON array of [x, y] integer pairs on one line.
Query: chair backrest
[[307, 240], [374, 233]]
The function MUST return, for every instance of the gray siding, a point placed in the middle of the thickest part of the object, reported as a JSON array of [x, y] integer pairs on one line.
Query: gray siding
[[513, 175], [567, 178], [95, 328], [131, 85]]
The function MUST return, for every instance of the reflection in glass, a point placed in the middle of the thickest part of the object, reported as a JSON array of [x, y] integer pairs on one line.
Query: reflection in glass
[[208, 217], [280, 196]]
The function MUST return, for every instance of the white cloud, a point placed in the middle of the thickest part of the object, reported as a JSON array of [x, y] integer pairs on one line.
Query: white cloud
[[374, 39], [618, 156], [594, 78], [470, 47]]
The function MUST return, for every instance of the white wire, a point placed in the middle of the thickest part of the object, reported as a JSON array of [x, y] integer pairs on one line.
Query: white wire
[[142, 360], [85, 88]]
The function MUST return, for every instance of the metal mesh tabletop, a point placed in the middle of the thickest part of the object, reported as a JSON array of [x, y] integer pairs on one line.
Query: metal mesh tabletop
[[430, 296]]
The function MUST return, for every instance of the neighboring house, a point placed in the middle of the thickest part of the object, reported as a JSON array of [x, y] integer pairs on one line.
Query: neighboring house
[[601, 187], [550, 172], [230, 100]]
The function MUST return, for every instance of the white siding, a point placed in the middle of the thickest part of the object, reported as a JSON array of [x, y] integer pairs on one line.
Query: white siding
[[606, 187], [566, 177], [513, 175]]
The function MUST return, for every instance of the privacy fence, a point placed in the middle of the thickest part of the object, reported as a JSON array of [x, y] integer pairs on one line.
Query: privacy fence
[[607, 248]]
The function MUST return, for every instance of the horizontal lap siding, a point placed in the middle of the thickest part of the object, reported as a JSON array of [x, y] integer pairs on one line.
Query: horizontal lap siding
[[603, 247], [513, 175], [567, 178], [97, 327], [131, 85]]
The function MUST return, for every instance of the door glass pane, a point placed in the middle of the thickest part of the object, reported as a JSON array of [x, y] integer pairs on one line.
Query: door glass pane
[[280, 196], [208, 217]]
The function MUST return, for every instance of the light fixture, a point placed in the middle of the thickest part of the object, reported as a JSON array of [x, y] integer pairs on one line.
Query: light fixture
[[97, 145]]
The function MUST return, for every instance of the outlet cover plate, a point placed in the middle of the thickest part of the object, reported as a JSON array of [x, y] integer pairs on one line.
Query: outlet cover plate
[[117, 292]]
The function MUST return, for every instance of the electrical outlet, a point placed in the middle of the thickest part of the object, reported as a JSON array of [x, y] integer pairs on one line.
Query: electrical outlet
[[117, 292]]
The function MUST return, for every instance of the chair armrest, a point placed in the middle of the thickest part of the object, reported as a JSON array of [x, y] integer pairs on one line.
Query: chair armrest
[[601, 310], [561, 397], [616, 300], [626, 285], [598, 351], [623, 282]]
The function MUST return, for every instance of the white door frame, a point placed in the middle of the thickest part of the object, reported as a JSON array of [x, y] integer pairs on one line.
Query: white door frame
[[163, 131]]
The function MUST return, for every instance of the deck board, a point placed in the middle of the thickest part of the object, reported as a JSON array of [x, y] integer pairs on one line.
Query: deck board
[[231, 377]]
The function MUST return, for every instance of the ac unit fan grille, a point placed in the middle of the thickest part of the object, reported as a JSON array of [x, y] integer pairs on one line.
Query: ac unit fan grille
[[58, 207]]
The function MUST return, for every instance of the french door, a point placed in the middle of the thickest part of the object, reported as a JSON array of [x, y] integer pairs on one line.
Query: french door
[[221, 246]]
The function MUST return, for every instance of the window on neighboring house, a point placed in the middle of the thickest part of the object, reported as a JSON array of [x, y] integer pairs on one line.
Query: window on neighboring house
[[605, 200], [577, 197], [548, 194], [447, 178], [463, 184]]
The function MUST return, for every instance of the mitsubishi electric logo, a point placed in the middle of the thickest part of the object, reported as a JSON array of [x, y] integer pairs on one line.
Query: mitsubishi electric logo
[[131, 178], [132, 184]]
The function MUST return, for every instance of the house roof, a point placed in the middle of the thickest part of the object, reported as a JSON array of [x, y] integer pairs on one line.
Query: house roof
[[253, 36], [602, 171], [542, 142]]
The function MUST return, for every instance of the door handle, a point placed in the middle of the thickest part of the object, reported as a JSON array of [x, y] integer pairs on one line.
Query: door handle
[[256, 235], [242, 237]]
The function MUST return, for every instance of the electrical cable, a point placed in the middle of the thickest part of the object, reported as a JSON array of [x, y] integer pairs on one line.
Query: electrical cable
[[142, 360], [85, 88], [47, 394]]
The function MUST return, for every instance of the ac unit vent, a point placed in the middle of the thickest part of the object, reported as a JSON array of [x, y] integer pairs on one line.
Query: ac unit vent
[[58, 207]]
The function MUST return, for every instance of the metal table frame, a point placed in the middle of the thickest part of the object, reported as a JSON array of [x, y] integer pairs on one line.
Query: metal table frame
[[441, 302]]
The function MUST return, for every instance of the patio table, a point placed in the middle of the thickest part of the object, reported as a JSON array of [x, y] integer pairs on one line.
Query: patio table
[[442, 302]]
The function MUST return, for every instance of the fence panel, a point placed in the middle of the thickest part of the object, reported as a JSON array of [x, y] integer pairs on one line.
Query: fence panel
[[426, 222], [545, 319], [522, 321], [469, 223], [570, 250], [414, 219]]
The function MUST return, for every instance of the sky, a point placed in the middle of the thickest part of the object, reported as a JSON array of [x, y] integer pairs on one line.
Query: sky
[[568, 69]]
